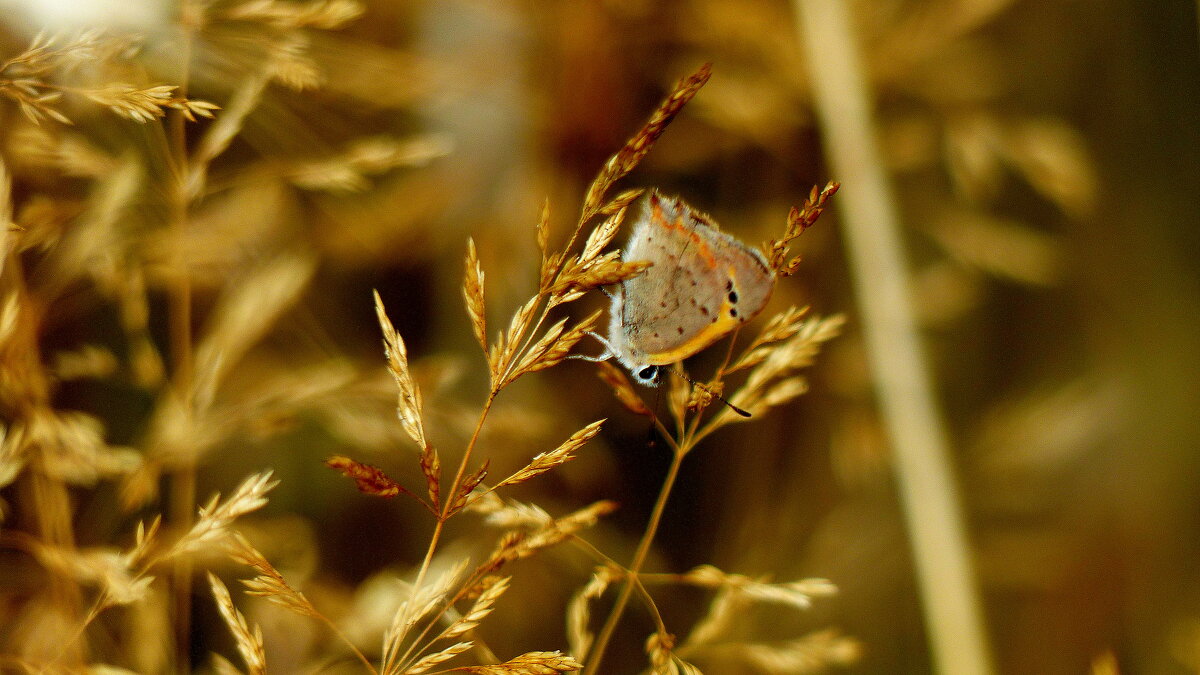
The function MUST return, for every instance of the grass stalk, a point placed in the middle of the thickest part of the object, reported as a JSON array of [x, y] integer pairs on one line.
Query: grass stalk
[[183, 483], [957, 636], [596, 655]]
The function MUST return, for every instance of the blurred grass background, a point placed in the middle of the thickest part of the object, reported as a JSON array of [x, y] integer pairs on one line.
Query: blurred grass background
[[1045, 158]]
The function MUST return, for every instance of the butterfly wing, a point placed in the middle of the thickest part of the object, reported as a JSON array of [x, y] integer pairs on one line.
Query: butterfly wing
[[703, 284]]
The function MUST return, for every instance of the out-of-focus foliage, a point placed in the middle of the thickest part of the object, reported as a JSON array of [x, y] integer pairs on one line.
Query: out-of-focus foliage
[[199, 199]]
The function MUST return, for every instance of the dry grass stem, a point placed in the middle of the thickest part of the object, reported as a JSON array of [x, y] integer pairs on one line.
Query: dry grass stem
[[916, 431]]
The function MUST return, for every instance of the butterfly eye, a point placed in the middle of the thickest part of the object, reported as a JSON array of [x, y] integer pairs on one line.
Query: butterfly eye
[[648, 374]]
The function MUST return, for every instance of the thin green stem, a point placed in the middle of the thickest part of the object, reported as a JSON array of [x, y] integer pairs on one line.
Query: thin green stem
[[596, 655], [439, 526], [599, 555]]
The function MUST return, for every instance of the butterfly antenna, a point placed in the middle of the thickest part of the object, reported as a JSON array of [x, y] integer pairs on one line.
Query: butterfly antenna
[[712, 393]]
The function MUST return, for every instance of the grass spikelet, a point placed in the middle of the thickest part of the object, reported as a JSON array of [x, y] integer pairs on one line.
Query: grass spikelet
[[622, 201], [545, 461], [324, 14], [531, 663], [349, 170], [508, 343], [431, 468], [96, 234], [815, 652], [534, 354], [636, 148], [146, 104], [437, 658], [268, 582], [145, 537], [220, 134], [601, 236], [769, 383], [249, 642], [479, 611], [622, 388], [243, 315], [663, 661], [423, 600], [473, 294], [215, 518], [798, 594], [409, 406], [70, 447], [579, 613], [608, 269], [468, 485], [799, 220], [549, 263], [555, 345], [509, 514], [369, 479], [107, 569], [781, 327], [554, 532], [28, 79]]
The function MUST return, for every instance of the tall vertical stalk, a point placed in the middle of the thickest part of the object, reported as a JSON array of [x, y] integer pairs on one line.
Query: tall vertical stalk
[[183, 483], [911, 414], [596, 654]]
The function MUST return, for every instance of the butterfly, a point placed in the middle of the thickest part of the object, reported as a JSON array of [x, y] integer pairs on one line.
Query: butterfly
[[701, 285]]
